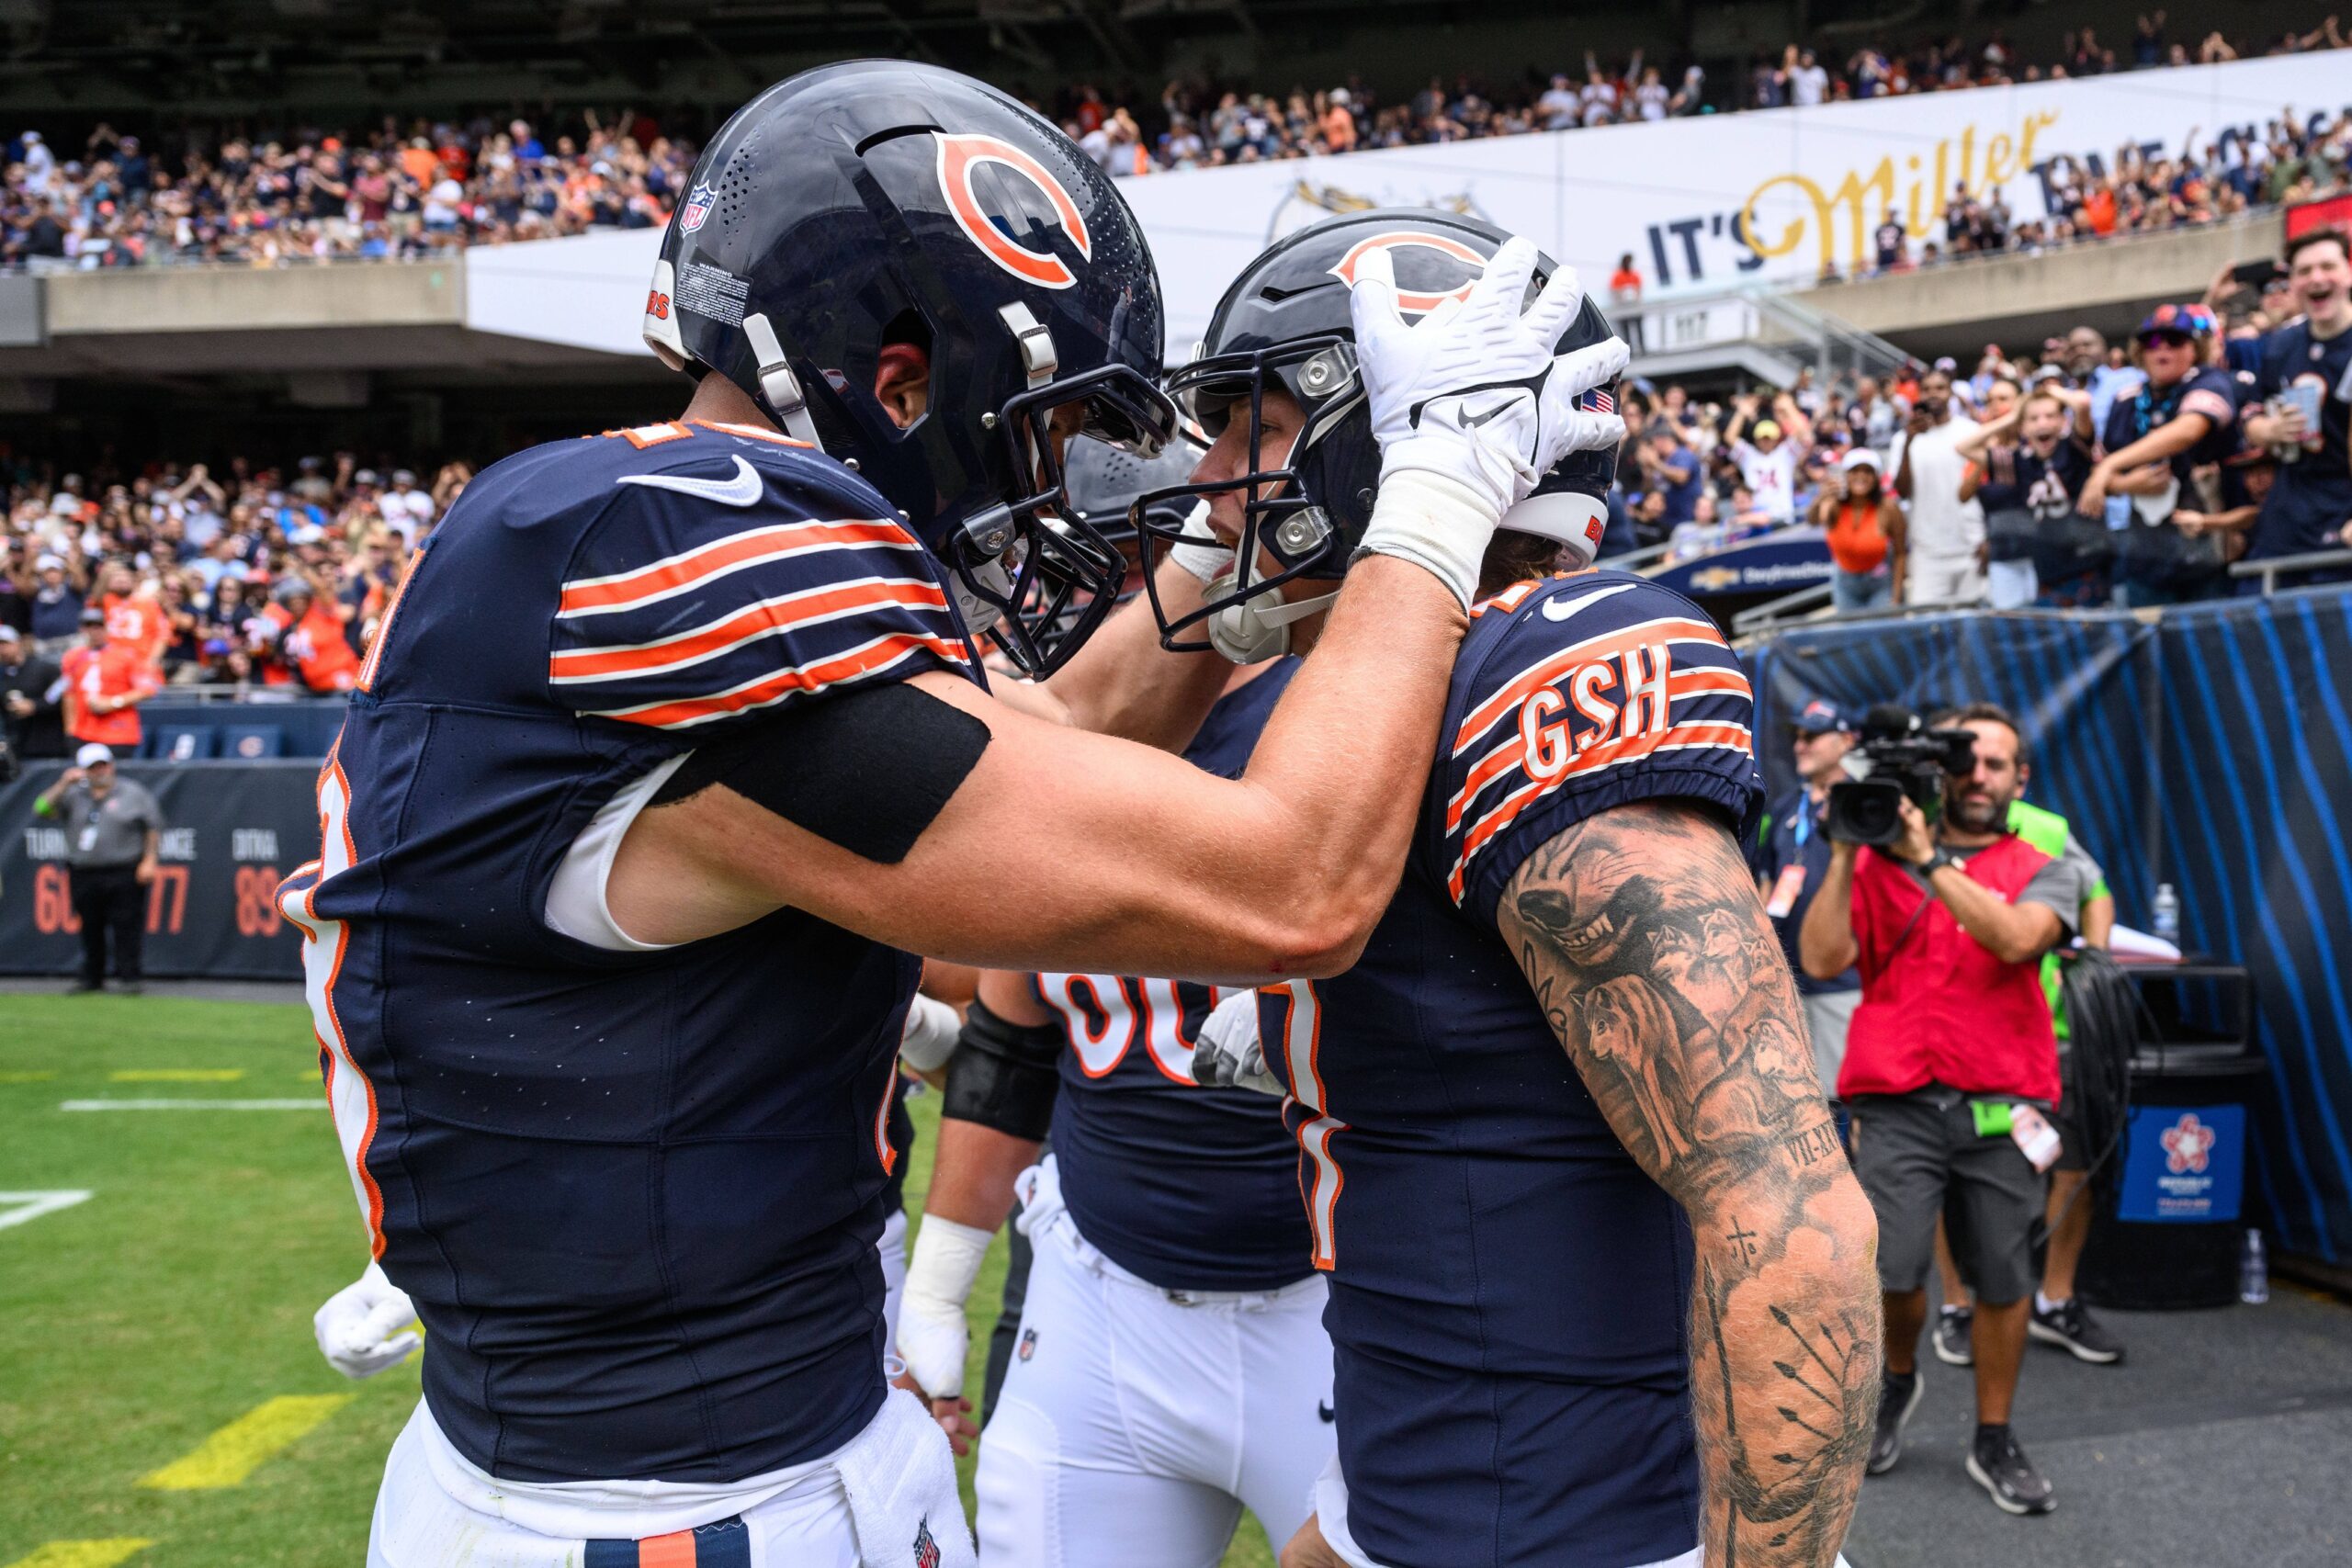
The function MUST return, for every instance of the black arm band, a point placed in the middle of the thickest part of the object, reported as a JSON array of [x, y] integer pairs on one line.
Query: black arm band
[[1003, 1075], [868, 770]]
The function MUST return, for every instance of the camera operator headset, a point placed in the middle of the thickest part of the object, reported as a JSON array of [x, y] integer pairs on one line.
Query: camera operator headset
[[1950, 1062]]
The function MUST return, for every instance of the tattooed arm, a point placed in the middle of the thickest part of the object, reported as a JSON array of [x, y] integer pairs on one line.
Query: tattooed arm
[[1651, 956]]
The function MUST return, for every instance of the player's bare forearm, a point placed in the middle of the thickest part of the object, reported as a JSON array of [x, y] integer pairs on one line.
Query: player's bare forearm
[[1129, 861], [1650, 954], [972, 1173], [974, 1167], [1122, 683]]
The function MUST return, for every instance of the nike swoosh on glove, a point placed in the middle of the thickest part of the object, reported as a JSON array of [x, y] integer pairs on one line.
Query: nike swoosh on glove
[[365, 1326], [1456, 404], [1229, 1054]]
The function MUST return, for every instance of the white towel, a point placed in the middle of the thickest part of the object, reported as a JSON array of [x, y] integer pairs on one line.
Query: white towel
[[901, 1477]]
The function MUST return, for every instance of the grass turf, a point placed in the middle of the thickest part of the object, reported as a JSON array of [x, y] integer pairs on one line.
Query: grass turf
[[179, 1296]]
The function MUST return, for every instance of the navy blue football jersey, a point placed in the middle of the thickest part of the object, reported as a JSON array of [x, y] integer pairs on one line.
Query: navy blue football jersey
[[1509, 1290], [2310, 498], [1192, 1189], [635, 1196]]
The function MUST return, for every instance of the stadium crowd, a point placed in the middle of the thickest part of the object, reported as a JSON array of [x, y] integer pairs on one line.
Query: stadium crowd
[[2075, 473], [2038, 475], [255, 578], [395, 191], [408, 189]]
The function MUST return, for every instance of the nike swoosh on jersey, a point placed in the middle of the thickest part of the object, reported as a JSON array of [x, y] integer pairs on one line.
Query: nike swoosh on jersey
[[1561, 609], [744, 490]]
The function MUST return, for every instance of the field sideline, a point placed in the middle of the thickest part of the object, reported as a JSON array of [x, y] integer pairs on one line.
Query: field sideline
[[176, 1299]]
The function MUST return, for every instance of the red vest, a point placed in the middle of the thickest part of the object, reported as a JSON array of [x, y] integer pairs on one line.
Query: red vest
[[1938, 1007]]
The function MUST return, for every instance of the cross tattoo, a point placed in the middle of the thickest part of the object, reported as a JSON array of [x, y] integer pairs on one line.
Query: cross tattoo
[[1744, 1239]]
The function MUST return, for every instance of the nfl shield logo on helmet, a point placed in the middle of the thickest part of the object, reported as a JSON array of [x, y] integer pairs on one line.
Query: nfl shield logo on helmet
[[697, 211]]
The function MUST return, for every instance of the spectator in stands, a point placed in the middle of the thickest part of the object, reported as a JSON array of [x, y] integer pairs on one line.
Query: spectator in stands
[[31, 686], [1947, 926], [1942, 560], [1865, 533], [56, 612], [2305, 367], [313, 649], [1769, 453], [2025, 467], [113, 831], [2184, 416], [1669, 470], [1791, 862], [105, 682]]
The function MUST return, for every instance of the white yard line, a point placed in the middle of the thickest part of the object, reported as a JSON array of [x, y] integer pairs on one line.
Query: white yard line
[[310, 1104], [16, 1208]]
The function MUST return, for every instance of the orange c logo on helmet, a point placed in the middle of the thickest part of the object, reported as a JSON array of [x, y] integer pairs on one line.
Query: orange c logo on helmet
[[961, 157], [1409, 300]]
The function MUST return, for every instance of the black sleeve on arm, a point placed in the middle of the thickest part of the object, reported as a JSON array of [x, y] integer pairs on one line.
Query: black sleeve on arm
[[1003, 1075], [868, 770]]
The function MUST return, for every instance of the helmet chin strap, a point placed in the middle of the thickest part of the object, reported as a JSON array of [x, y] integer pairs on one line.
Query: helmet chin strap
[[979, 614], [1258, 628]]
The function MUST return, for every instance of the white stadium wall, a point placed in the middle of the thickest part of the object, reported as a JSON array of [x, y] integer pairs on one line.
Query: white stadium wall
[[1764, 197]]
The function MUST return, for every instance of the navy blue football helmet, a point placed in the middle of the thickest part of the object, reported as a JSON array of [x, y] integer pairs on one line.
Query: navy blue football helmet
[[1286, 322], [881, 202]]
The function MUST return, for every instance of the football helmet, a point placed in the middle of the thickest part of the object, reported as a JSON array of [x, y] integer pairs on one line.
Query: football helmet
[[1286, 322], [879, 202]]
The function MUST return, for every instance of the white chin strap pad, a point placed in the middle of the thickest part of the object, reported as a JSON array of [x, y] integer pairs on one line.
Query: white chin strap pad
[[1573, 522], [1257, 629], [978, 613]]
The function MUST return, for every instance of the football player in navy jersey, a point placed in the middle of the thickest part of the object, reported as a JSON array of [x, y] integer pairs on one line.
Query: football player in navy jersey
[[1601, 1283], [2307, 365], [675, 749], [1171, 1363]]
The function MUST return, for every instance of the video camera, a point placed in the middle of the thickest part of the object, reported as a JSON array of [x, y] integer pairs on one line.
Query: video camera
[[1898, 756]]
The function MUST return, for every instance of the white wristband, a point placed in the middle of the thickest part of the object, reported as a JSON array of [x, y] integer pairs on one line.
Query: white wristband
[[1435, 522], [947, 1260], [932, 1031]]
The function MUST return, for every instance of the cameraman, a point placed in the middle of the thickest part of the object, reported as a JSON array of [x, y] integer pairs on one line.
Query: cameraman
[[1950, 1070]]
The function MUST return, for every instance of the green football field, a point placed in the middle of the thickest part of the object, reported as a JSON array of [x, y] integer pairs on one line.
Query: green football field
[[162, 1403]]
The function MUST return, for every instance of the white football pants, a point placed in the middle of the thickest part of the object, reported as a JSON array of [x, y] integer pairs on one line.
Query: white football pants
[[1135, 1422]]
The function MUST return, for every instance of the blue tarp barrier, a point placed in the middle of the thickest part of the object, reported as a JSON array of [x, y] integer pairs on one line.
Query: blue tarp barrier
[[2207, 746]]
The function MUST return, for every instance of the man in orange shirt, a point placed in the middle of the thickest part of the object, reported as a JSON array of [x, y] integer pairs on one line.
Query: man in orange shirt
[[134, 620], [310, 641], [105, 682]]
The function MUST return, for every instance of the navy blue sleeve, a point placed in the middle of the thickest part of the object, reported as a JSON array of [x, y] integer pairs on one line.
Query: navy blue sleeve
[[721, 587], [1601, 690]]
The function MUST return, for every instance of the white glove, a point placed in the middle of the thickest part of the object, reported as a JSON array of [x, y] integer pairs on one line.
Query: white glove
[[1457, 403], [1561, 426], [366, 1326], [1229, 1054], [930, 1034], [934, 1338]]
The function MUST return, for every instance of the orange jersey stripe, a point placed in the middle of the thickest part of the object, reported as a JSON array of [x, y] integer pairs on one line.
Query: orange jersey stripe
[[1696, 681], [752, 432], [874, 656], [746, 548], [673, 1551], [1608, 644], [1629, 748], [755, 621]]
